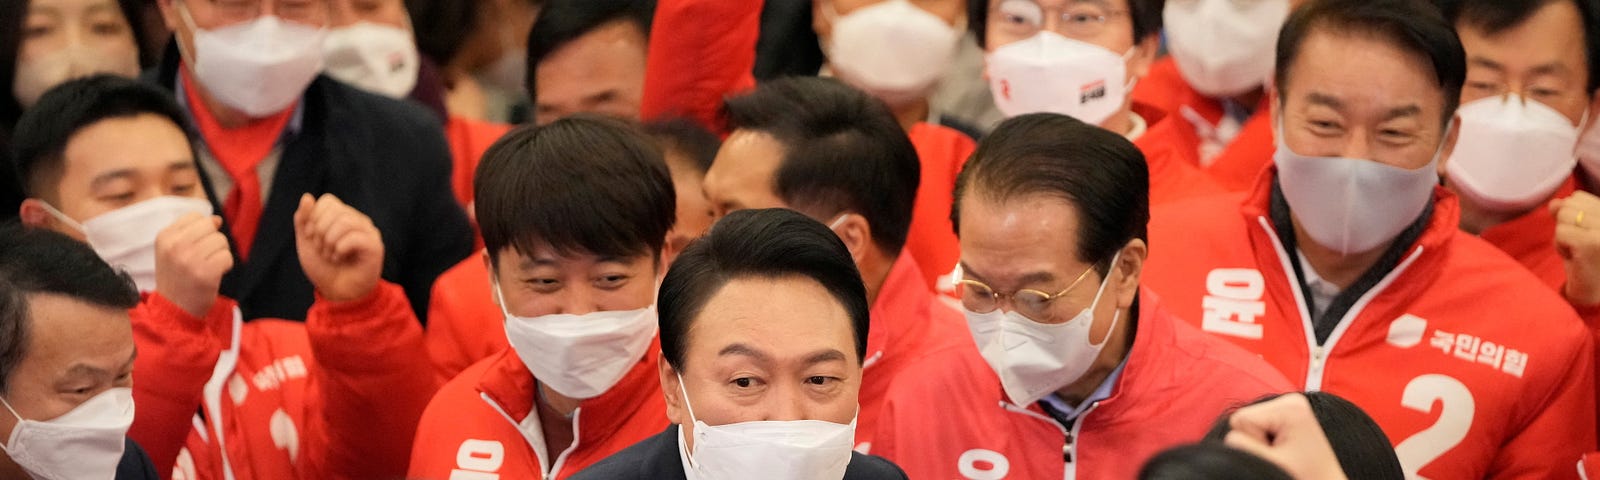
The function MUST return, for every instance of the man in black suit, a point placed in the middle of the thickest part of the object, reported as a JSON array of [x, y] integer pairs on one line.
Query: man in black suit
[[763, 329]]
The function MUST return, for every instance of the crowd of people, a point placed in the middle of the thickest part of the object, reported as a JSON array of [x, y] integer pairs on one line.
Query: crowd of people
[[799, 239]]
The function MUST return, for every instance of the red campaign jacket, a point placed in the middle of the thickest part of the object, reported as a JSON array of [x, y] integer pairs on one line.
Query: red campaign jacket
[[1238, 165], [1173, 163], [177, 353], [932, 239], [483, 424], [334, 397], [950, 420], [701, 51], [468, 140], [1472, 367], [464, 324], [908, 322]]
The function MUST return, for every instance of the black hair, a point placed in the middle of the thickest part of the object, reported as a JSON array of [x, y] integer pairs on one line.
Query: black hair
[[1363, 449], [686, 138], [757, 243], [1100, 173], [13, 15], [582, 184], [35, 261], [562, 21], [843, 151], [1414, 27], [44, 131], [1145, 15], [1209, 461], [1496, 16], [441, 27]]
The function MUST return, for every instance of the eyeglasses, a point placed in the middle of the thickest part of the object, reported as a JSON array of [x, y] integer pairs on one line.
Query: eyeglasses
[[1023, 18], [980, 298]]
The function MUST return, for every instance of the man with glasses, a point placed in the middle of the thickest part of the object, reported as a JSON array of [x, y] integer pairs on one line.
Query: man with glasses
[[1082, 58], [1079, 372], [270, 128]]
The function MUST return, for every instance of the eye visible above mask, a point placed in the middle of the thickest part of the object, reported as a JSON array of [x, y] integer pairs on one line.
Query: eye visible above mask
[[893, 50], [126, 237], [260, 66], [85, 443], [1512, 153], [1034, 359], [38, 75], [579, 356], [1052, 73], [1222, 49], [1353, 205], [374, 57], [780, 450]]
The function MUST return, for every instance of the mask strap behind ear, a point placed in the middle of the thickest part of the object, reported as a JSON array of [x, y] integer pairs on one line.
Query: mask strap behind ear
[[63, 217]]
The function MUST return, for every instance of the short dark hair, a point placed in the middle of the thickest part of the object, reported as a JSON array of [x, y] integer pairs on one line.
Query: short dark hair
[[1145, 14], [44, 131], [686, 138], [843, 151], [1209, 461], [562, 21], [13, 15], [1359, 443], [1100, 173], [1496, 16], [584, 183], [1413, 26], [757, 243], [37, 260], [442, 27]]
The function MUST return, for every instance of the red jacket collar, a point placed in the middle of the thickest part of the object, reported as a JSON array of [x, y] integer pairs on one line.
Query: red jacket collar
[[1419, 273], [1146, 371], [509, 383], [1531, 238], [900, 309]]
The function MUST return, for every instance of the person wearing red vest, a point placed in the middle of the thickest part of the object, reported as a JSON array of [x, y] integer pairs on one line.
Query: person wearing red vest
[[1517, 107], [1078, 371], [1345, 267], [470, 326], [836, 154], [897, 52], [1213, 82], [294, 389], [574, 215]]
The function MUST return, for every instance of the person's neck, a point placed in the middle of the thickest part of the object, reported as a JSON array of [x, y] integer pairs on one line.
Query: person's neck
[[1120, 123], [911, 114], [1475, 220], [1340, 269], [875, 269], [555, 419], [227, 116], [1249, 100], [1115, 351]]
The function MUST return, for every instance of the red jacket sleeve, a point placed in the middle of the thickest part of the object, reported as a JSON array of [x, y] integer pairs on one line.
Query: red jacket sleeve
[[177, 353], [1565, 422], [700, 52], [372, 381]]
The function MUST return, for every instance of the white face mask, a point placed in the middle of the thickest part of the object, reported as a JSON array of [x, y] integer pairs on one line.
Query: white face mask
[[893, 50], [1052, 73], [579, 356], [126, 237], [374, 57], [1221, 48], [85, 443], [779, 450], [1353, 205], [259, 67], [1032, 358], [1588, 152], [1511, 154], [38, 75]]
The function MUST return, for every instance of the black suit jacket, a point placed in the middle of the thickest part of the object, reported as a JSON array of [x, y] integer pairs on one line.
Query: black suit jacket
[[135, 465], [656, 458], [385, 157]]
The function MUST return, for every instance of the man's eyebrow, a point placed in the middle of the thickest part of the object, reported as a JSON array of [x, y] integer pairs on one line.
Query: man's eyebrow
[[822, 356], [740, 349]]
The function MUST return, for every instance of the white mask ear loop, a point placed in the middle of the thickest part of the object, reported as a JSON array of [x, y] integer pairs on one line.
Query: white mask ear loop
[[63, 218], [1116, 314]]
